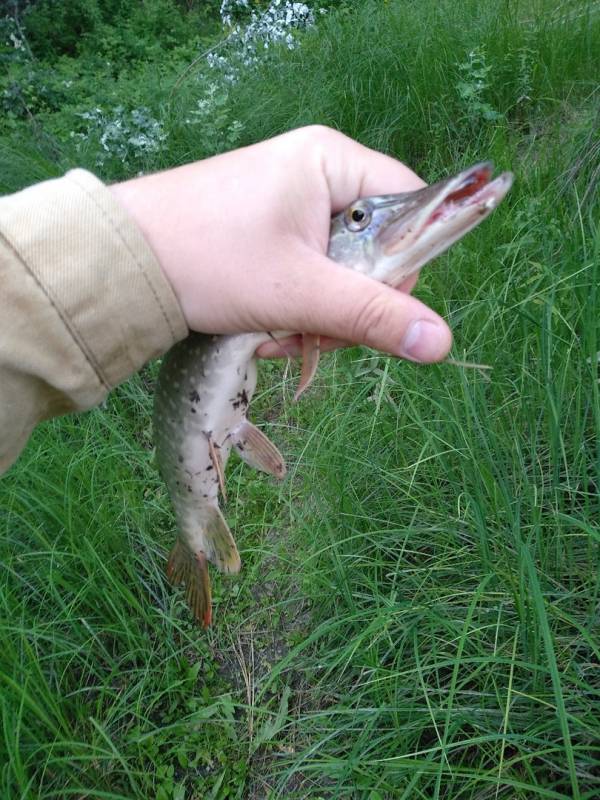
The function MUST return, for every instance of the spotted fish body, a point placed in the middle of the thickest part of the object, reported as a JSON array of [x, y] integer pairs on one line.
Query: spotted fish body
[[202, 396], [206, 382]]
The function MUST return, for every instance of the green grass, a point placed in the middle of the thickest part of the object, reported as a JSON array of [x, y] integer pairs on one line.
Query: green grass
[[417, 612]]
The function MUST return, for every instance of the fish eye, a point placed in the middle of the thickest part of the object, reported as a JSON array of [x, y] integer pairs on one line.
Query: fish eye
[[358, 216]]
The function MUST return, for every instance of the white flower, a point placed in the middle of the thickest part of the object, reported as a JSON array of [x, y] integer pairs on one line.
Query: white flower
[[271, 25], [124, 135], [17, 43]]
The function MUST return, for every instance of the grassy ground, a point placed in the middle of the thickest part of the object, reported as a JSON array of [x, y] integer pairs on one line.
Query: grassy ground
[[417, 615]]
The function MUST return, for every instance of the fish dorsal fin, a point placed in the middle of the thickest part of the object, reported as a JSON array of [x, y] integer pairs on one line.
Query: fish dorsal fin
[[311, 352], [220, 547], [257, 450]]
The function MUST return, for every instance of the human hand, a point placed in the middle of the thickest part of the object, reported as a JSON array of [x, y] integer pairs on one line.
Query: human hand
[[242, 239]]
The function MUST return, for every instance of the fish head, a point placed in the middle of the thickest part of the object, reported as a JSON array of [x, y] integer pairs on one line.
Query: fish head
[[388, 237]]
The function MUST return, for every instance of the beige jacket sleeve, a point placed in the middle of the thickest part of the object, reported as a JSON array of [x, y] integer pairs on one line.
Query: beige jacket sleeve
[[83, 303]]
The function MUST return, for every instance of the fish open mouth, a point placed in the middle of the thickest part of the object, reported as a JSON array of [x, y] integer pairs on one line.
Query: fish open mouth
[[440, 215], [473, 189]]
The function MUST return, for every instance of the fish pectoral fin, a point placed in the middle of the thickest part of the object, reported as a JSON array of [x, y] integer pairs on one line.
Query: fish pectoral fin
[[311, 352], [190, 568], [257, 450]]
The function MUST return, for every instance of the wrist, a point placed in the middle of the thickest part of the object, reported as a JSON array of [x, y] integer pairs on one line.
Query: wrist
[[152, 205]]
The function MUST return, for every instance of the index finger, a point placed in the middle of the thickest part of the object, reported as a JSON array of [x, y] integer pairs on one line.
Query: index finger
[[353, 170]]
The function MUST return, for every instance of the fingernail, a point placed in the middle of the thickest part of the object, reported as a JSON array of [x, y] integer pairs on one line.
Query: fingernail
[[424, 341]]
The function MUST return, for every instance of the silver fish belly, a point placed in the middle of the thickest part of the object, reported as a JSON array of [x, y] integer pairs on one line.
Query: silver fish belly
[[203, 392], [206, 383]]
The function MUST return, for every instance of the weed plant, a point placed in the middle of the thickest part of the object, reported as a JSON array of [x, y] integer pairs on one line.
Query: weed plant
[[417, 614]]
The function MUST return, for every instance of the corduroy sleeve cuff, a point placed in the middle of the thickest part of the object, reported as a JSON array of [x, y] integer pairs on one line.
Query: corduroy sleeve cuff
[[98, 272]]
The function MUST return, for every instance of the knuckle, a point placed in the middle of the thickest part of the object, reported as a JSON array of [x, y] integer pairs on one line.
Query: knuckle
[[369, 319], [317, 136], [318, 131]]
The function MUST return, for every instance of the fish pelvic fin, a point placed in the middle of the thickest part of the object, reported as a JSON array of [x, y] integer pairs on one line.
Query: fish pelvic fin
[[217, 463], [257, 450], [190, 568], [311, 352]]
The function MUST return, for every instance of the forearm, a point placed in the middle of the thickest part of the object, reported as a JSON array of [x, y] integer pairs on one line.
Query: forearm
[[83, 303]]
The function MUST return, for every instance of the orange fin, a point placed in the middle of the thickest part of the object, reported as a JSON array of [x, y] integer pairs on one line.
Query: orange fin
[[208, 539], [257, 450], [280, 344], [217, 463], [191, 569], [311, 351], [218, 543]]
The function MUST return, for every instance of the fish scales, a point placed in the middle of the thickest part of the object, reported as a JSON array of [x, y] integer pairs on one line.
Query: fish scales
[[206, 382], [203, 392]]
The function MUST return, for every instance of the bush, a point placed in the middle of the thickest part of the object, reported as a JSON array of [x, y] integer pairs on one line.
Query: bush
[[112, 27], [57, 28]]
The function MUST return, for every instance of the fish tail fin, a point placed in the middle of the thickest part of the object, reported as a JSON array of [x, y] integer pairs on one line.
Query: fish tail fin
[[185, 566], [210, 540]]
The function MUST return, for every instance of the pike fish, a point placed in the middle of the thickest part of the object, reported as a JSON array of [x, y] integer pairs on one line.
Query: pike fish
[[206, 382]]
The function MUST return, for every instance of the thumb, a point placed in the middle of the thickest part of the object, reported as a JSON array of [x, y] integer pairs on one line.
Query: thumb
[[349, 306]]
